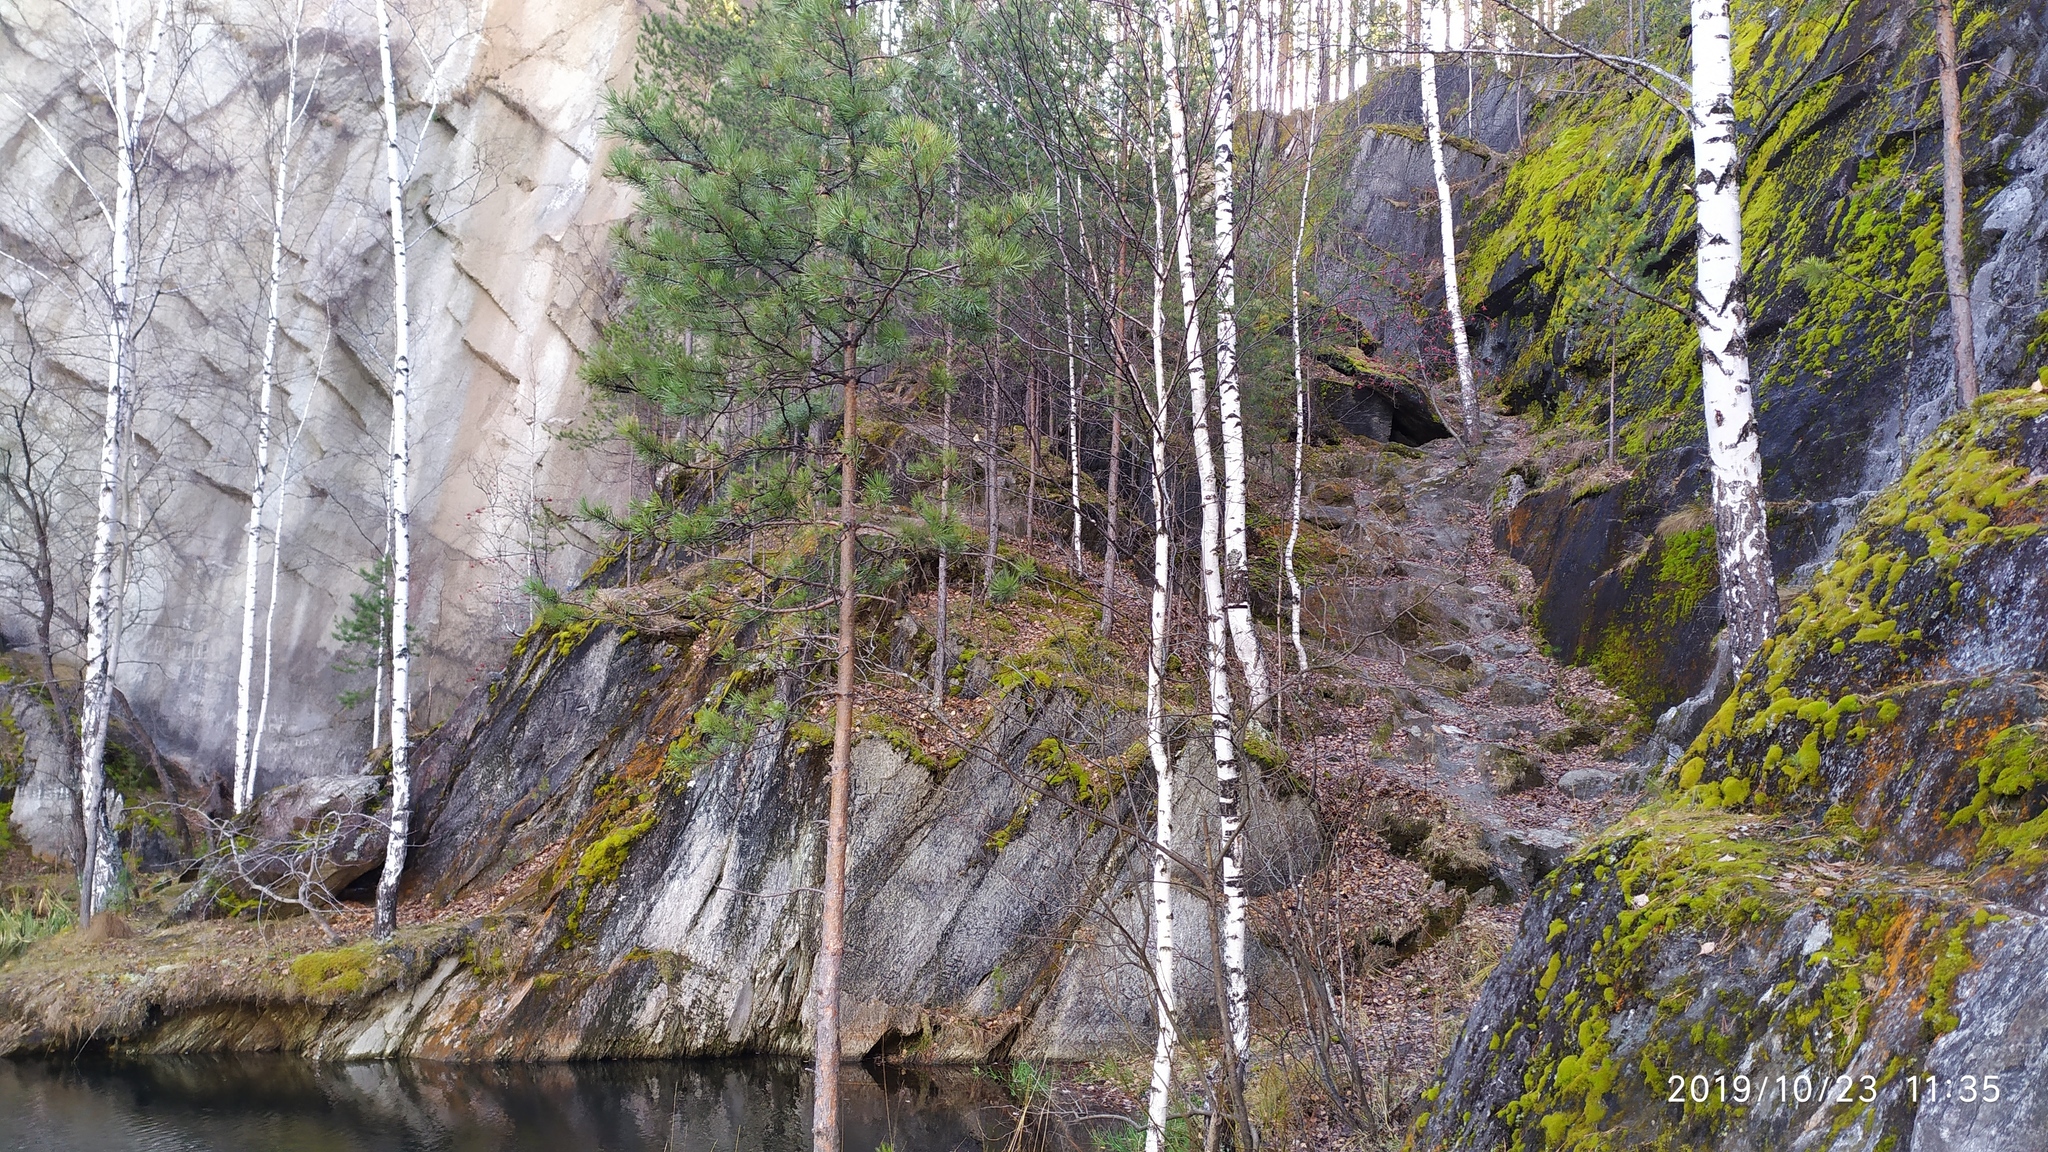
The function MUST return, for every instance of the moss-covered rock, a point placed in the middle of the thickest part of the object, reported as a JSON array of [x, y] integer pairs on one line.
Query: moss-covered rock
[[1843, 883], [1841, 195]]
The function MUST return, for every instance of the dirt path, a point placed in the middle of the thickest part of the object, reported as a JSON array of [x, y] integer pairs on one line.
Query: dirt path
[[1455, 763]]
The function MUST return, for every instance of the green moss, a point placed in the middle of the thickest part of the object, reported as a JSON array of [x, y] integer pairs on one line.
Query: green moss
[[2012, 765], [601, 861], [1001, 837], [335, 972], [1094, 784], [1955, 959], [1261, 749], [898, 736]]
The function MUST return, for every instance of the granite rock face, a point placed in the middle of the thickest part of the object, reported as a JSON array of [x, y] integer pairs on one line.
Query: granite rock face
[[1847, 875], [508, 215]]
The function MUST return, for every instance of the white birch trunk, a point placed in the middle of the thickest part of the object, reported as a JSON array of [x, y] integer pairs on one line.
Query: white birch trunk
[[1749, 599], [1223, 736], [1954, 260], [1159, 1099], [1300, 402], [401, 552], [1468, 388], [1073, 378], [1237, 581], [940, 664], [245, 762], [100, 868]]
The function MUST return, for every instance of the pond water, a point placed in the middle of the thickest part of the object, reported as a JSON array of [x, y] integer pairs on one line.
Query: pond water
[[271, 1103]]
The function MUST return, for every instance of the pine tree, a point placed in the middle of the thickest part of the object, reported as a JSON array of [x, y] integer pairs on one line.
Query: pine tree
[[793, 214]]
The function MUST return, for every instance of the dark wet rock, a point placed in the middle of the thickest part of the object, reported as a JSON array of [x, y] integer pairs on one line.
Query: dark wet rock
[[1588, 783], [1847, 389], [1847, 878]]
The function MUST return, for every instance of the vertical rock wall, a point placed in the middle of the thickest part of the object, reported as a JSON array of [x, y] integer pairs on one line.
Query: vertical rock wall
[[509, 213]]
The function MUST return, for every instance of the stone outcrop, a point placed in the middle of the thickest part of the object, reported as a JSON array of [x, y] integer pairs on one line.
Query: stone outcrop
[[654, 882], [1849, 332], [36, 765], [1846, 877], [509, 216]]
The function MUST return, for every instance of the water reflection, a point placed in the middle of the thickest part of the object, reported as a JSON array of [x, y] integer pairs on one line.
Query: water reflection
[[247, 1103]]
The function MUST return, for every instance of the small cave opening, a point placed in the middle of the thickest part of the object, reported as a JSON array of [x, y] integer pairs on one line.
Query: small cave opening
[[362, 889], [1400, 415]]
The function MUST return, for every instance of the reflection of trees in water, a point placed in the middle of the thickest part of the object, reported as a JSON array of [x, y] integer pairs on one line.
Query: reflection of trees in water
[[233, 1103]]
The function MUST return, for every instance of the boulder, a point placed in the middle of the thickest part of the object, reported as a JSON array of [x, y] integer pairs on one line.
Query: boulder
[[1527, 855], [1455, 853], [45, 810], [1517, 690], [1509, 769], [304, 840], [1587, 783], [1456, 656]]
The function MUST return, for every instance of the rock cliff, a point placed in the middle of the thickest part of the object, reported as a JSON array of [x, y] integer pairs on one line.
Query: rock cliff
[[1840, 894], [509, 213], [1850, 326], [639, 796]]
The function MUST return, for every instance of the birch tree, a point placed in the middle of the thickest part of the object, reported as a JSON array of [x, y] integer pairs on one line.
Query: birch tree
[[1159, 1099], [1720, 313], [1224, 47], [1222, 723], [1953, 260], [400, 449], [131, 109], [1073, 376], [1468, 389], [1308, 172], [288, 122], [1749, 598]]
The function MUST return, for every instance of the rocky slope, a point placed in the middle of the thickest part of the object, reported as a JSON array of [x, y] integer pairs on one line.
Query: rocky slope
[[620, 830], [1842, 883]]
